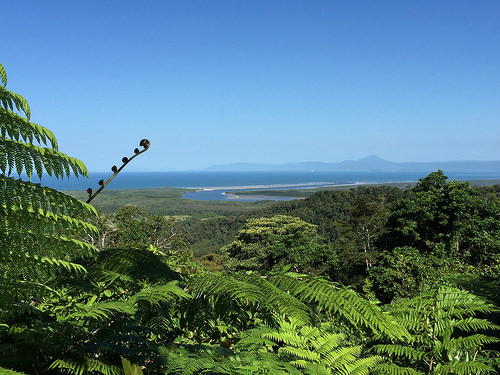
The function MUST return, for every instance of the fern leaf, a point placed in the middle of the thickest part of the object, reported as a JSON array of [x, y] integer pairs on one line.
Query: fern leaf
[[130, 368], [102, 310], [3, 75], [153, 295], [5, 371], [12, 101], [402, 351], [464, 368], [340, 301], [393, 369]]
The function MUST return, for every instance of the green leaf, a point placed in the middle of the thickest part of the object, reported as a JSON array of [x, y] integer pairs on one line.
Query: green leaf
[[130, 368]]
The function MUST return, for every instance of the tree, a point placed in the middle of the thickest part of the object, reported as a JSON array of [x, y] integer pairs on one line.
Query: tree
[[269, 244], [40, 228], [442, 226], [446, 218]]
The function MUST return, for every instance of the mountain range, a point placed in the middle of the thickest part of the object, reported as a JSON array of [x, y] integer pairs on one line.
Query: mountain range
[[369, 163]]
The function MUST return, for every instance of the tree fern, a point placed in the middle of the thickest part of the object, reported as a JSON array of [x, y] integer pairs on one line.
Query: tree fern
[[198, 359], [444, 333], [41, 231], [39, 227], [343, 303], [313, 350]]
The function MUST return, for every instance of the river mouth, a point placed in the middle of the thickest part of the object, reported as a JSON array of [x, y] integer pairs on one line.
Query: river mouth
[[231, 193]]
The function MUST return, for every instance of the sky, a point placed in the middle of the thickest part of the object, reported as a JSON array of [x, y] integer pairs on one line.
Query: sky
[[261, 81]]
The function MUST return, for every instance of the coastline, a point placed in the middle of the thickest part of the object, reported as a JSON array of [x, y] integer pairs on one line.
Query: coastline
[[284, 192]]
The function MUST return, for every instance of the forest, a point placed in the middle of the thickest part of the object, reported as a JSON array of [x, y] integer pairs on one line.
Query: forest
[[371, 280]]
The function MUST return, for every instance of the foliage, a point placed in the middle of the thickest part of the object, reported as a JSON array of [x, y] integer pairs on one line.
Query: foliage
[[446, 334], [404, 272], [87, 324], [448, 226], [138, 305], [312, 349], [447, 219], [269, 244], [39, 227], [291, 348]]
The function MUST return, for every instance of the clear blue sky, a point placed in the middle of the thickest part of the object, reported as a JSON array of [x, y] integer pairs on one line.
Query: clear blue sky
[[269, 81]]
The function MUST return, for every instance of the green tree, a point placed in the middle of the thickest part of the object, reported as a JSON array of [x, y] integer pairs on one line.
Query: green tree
[[134, 229], [40, 228], [442, 226], [447, 219], [269, 244]]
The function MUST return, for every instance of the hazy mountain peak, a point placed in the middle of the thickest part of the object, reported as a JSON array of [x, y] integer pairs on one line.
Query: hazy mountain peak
[[372, 158], [369, 163]]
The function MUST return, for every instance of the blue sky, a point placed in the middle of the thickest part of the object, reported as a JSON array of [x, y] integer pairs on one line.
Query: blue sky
[[211, 82]]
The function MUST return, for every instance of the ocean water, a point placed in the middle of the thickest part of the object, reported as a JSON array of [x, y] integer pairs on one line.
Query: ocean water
[[244, 180]]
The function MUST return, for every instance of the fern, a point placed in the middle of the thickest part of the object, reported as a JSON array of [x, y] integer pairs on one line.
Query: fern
[[197, 359], [442, 324], [342, 302], [85, 365], [41, 232], [313, 349], [40, 228], [5, 371]]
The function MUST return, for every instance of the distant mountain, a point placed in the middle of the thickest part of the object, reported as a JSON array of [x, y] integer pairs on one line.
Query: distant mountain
[[369, 163]]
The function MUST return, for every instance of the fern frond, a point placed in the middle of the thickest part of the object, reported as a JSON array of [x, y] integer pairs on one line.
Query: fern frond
[[83, 366], [130, 368], [255, 339], [153, 295], [340, 301], [474, 324], [70, 266], [102, 310], [217, 284], [341, 355], [3, 75], [5, 371], [361, 366], [17, 194], [22, 157], [402, 351], [326, 343], [119, 267], [279, 302], [393, 369], [473, 341], [18, 128], [433, 317], [12, 101], [464, 368], [301, 353]]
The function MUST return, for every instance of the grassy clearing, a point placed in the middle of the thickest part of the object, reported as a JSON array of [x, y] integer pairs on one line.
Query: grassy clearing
[[167, 201]]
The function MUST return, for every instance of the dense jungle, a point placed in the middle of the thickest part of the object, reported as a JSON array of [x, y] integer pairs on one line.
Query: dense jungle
[[368, 280]]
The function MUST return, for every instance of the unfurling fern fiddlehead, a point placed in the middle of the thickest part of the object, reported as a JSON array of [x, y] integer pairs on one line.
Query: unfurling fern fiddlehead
[[144, 143]]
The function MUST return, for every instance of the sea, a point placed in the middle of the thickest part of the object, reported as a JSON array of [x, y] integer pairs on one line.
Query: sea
[[210, 185]]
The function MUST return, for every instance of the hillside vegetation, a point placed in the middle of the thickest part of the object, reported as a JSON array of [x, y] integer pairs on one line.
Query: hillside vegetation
[[373, 280]]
